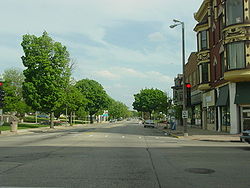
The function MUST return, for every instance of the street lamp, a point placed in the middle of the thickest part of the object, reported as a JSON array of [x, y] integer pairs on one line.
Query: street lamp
[[177, 22]]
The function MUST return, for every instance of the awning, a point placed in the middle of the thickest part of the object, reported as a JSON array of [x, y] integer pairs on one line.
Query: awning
[[223, 96], [196, 99], [242, 93]]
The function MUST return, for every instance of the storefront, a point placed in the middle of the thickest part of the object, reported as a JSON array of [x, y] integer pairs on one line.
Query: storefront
[[208, 110], [196, 102], [223, 109], [242, 98]]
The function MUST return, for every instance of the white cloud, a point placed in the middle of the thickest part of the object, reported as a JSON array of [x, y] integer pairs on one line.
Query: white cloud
[[106, 74], [156, 37], [159, 77]]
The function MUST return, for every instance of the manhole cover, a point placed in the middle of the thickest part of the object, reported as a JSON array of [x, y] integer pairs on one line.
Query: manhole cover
[[200, 170]]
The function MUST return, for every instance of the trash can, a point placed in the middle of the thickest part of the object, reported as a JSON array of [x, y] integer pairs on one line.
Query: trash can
[[13, 126]]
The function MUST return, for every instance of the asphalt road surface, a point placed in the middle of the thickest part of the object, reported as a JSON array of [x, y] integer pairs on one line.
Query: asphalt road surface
[[118, 155]]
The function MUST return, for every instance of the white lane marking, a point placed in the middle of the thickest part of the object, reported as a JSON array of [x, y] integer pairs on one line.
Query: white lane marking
[[90, 135], [139, 137], [157, 137], [106, 136], [123, 136]]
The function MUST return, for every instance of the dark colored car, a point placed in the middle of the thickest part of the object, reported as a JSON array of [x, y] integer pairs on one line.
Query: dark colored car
[[245, 136], [42, 116]]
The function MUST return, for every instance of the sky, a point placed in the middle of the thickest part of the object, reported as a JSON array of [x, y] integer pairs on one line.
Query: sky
[[125, 45]]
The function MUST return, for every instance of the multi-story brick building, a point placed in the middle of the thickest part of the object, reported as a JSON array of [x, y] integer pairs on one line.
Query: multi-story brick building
[[223, 40]]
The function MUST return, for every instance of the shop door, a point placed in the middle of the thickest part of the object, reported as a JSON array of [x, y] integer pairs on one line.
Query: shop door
[[245, 116]]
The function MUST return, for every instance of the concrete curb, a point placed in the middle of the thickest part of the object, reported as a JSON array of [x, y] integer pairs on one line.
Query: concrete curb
[[204, 137]]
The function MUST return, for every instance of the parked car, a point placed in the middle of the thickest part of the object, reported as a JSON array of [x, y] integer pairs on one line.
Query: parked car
[[149, 123], [112, 120], [245, 136], [42, 116]]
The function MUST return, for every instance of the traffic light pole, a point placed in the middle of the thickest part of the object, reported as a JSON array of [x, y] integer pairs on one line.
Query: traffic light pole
[[184, 119]]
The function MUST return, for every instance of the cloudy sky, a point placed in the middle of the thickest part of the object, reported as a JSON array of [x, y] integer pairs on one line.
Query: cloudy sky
[[126, 45]]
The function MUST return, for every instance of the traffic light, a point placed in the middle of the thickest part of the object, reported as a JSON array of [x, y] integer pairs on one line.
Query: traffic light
[[2, 94], [188, 94]]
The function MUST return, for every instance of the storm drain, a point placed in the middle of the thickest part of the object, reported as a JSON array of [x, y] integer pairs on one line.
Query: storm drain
[[200, 170]]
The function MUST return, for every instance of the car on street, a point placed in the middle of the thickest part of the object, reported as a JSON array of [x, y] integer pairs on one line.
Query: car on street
[[245, 136], [149, 123]]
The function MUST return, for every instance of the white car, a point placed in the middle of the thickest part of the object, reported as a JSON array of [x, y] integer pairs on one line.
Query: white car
[[149, 123]]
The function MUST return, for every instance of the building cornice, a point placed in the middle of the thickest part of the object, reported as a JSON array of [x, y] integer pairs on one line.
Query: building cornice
[[203, 10], [201, 27]]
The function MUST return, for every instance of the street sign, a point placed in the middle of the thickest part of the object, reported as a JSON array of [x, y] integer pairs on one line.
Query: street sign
[[185, 114]]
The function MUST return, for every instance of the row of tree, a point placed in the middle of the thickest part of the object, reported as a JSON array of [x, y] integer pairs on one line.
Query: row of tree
[[46, 85]]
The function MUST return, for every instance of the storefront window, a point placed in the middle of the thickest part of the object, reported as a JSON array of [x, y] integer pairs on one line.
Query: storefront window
[[210, 115], [197, 115], [235, 55], [234, 12], [225, 112]]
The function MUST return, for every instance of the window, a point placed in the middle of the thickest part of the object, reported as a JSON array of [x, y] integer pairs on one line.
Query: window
[[225, 118], [222, 62], [235, 56], [234, 12], [210, 115], [204, 75], [202, 40]]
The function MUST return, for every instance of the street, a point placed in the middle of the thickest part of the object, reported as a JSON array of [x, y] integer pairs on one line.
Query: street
[[122, 154]]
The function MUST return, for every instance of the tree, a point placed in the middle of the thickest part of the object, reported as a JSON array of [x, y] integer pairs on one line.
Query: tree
[[97, 98], [13, 99], [47, 73], [117, 109], [149, 100], [74, 100]]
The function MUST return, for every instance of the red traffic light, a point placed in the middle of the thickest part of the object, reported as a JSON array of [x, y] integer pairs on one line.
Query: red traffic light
[[188, 85]]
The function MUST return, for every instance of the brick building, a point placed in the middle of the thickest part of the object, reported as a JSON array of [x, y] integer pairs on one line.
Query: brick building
[[223, 61]]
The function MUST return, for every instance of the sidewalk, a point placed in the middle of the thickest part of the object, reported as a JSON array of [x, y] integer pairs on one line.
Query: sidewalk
[[196, 133], [40, 129]]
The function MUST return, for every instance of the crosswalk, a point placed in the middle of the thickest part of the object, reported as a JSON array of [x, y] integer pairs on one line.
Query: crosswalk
[[116, 136]]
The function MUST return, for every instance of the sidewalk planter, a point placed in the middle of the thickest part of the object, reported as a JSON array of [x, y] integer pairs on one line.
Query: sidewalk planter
[[13, 126]]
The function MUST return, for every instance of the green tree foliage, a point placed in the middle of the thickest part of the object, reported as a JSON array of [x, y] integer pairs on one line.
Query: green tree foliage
[[74, 100], [97, 98], [47, 72], [14, 101], [149, 100], [117, 109]]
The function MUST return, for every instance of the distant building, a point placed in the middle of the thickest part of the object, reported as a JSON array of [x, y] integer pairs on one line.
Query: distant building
[[177, 90]]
